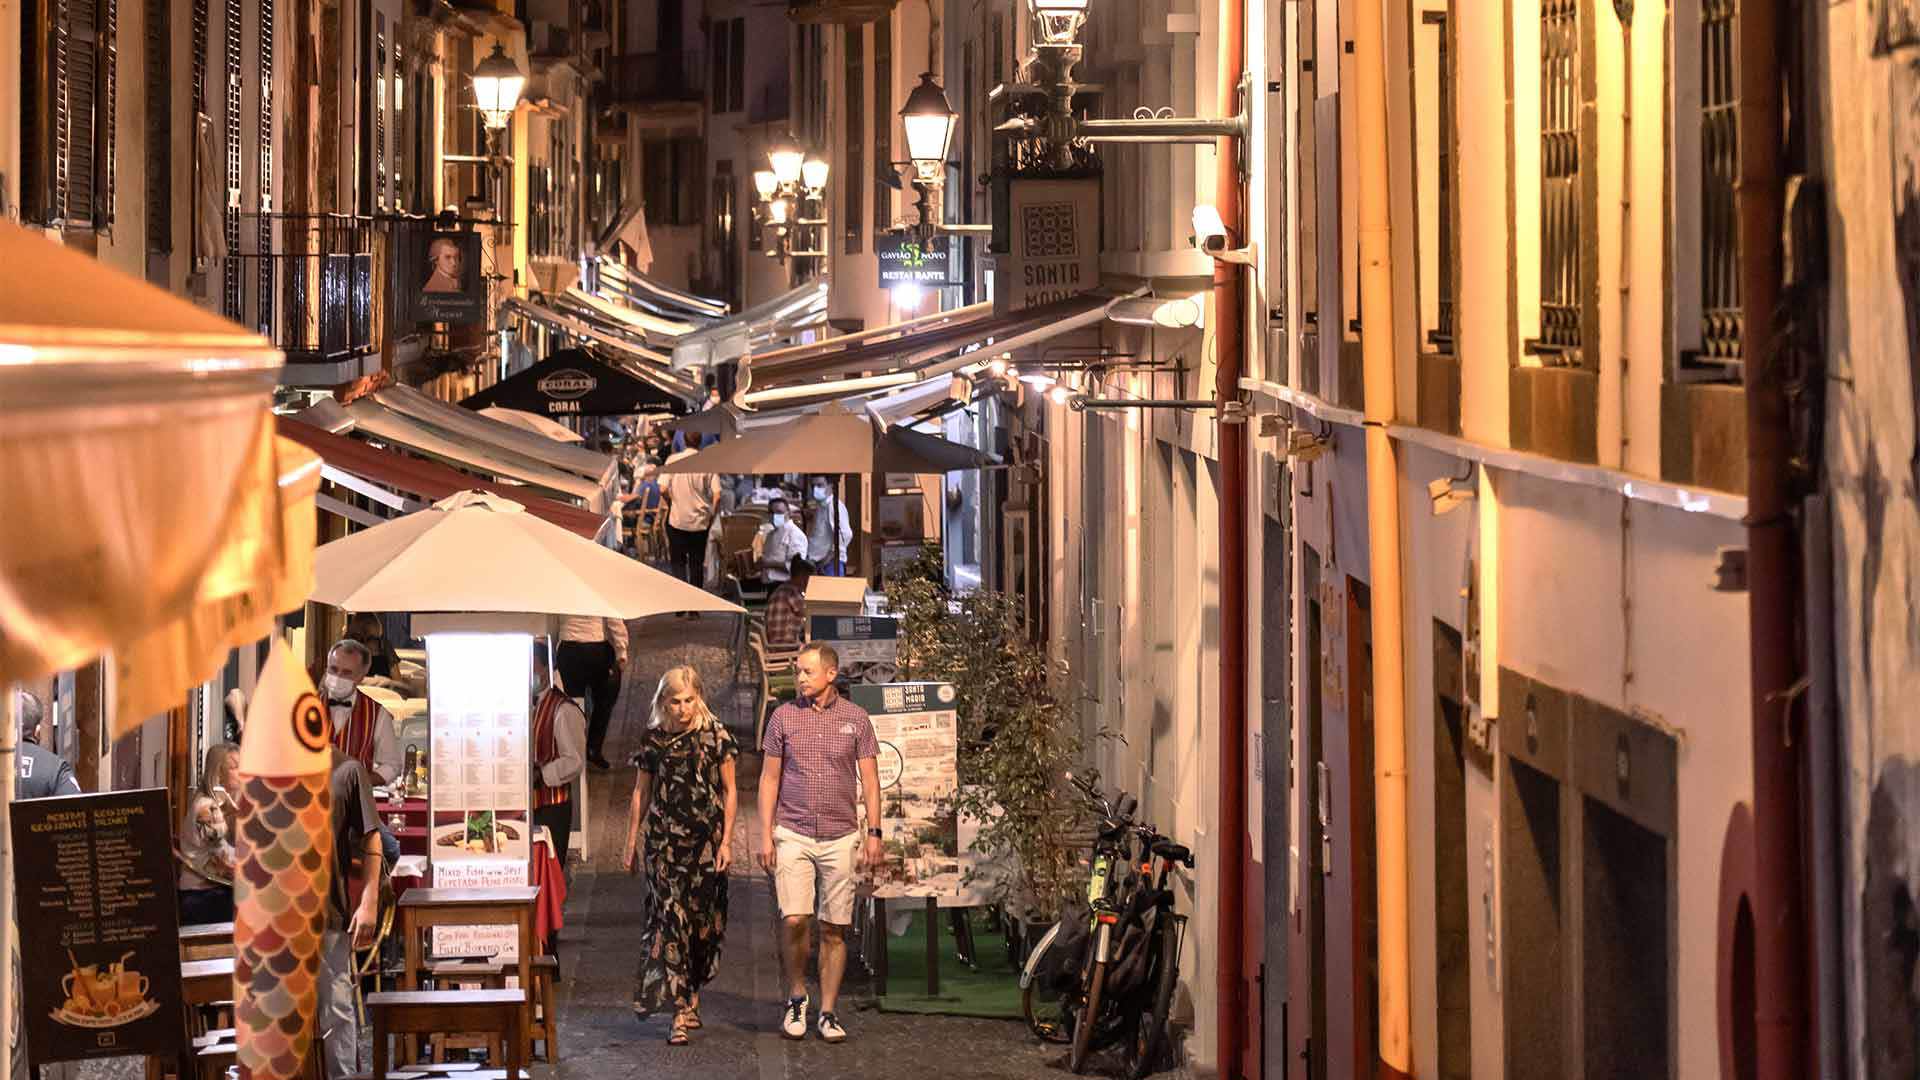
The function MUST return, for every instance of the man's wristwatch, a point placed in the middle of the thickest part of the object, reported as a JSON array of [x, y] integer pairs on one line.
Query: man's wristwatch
[[876, 833]]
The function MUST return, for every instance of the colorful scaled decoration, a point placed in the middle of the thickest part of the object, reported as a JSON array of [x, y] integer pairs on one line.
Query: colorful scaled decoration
[[282, 862]]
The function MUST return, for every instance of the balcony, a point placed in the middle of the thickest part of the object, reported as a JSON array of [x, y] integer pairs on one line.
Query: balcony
[[842, 12], [315, 294], [648, 80]]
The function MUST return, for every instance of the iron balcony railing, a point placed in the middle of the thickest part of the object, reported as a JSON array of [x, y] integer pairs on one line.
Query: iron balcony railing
[[316, 290]]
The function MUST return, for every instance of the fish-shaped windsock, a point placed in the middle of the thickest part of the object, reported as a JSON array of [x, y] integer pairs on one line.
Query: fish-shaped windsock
[[283, 861]]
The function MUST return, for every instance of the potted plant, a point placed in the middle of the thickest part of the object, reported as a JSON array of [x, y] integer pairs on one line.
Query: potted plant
[[1017, 741]]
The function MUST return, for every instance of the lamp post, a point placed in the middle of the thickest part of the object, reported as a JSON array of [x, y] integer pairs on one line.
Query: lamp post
[[497, 83], [929, 121], [792, 180]]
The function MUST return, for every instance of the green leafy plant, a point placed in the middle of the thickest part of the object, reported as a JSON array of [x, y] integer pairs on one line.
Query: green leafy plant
[[1016, 740]]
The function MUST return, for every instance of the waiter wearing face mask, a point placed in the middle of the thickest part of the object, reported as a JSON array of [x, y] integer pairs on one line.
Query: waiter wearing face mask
[[777, 542], [362, 730], [829, 533]]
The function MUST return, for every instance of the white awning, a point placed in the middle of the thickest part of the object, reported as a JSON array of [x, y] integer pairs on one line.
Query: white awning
[[650, 325], [378, 421], [772, 322], [642, 362]]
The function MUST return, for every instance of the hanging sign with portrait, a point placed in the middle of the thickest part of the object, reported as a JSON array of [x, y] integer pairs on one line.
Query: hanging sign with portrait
[[440, 278]]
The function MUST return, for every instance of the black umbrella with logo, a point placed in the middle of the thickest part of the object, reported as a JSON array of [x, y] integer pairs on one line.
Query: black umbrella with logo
[[573, 383]]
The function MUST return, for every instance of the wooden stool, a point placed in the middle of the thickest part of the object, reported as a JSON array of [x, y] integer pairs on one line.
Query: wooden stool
[[435, 1012], [211, 1061], [546, 1019], [462, 975]]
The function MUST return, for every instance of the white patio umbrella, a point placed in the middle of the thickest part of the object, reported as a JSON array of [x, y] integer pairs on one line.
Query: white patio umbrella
[[478, 552], [533, 422]]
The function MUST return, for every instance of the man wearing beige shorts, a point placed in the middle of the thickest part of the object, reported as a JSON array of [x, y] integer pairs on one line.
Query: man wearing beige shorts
[[820, 756]]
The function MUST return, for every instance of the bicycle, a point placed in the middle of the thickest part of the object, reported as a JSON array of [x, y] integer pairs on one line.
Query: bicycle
[[1107, 972]]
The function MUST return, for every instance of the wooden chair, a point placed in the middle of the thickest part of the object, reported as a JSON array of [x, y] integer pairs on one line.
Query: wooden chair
[[461, 975], [436, 1012], [546, 1019]]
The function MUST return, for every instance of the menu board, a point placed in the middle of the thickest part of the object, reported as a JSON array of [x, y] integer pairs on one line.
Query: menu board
[[478, 791], [918, 732], [867, 645], [99, 929]]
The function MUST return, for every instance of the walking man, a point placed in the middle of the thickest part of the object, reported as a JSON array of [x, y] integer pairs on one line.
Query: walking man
[[691, 501], [820, 759], [591, 657]]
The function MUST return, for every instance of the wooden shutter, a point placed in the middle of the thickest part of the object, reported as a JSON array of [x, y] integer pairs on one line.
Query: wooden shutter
[[67, 149]]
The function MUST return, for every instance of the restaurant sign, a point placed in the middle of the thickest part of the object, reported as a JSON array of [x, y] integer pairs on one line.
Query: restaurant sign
[[99, 930], [567, 384], [904, 261], [1055, 245]]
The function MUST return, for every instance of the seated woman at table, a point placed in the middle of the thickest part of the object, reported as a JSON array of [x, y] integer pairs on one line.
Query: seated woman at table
[[206, 840], [685, 796]]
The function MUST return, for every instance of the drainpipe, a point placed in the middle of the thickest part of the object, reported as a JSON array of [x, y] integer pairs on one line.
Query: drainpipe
[[1383, 541], [1773, 572], [1229, 337]]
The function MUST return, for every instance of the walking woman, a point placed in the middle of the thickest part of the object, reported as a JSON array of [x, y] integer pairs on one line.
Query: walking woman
[[686, 798]]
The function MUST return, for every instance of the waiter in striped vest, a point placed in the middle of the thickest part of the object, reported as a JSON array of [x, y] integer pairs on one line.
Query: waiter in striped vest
[[559, 753], [362, 730]]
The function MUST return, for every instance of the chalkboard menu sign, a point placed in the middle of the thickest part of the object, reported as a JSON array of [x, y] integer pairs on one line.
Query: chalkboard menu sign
[[99, 932]]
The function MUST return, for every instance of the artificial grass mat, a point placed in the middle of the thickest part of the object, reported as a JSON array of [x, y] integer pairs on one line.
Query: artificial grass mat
[[992, 992]]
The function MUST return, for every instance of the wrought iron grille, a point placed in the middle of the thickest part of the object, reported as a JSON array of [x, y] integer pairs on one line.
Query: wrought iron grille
[[1442, 336], [1560, 177], [99, 205], [264, 238], [380, 111], [1720, 313], [235, 301], [318, 283], [159, 122], [883, 120]]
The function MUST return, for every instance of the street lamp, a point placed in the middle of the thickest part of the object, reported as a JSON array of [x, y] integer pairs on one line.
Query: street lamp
[[813, 176], [780, 210], [786, 156], [497, 83], [929, 121], [1060, 21], [765, 183]]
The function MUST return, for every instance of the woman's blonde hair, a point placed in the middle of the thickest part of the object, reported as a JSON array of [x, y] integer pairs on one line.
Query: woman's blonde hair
[[675, 680], [210, 773]]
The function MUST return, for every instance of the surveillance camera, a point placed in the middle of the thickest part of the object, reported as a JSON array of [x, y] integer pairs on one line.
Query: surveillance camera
[[1209, 231], [1304, 446], [1211, 243]]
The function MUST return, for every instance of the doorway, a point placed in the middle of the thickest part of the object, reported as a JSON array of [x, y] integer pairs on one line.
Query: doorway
[[1453, 940], [1360, 814], [1276, 770]]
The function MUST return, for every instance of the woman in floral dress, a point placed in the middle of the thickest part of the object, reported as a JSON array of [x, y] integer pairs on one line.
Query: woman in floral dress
[[686, 798]]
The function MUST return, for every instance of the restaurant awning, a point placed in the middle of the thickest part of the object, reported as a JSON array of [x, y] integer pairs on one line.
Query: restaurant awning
[[812, 374], [374, 419], [759, 327], [832, 440], [654, 328], [145, 506], [642, 362], [407, 484], [589, 464], [572, 383], [620, 282]]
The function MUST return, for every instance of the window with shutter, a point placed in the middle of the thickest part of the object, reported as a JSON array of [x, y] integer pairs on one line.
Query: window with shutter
[[67, 143], [882, 121], [264, 224], [159, 127], [853, 183], [234, 303], [1560, 330], [1720, 312], [380, 110]]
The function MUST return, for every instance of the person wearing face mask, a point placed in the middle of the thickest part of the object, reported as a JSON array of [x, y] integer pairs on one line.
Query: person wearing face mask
[[777, 542], [367, 629], [362, 730], [829, 533]]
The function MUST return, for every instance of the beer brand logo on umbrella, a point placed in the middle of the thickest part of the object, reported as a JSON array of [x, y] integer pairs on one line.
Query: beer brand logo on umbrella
[[567, 384]]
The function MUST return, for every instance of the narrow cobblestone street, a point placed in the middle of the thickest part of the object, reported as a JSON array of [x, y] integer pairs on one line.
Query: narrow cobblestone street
[[599, 1036]]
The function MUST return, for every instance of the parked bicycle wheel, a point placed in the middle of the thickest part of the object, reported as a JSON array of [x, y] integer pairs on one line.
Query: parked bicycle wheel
[[1044, 1004], [1148, 1046], [1089, 1019]]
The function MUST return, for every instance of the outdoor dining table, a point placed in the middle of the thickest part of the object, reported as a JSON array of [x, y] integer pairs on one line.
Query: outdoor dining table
[[206, 982], [510, 905], [206, 941]]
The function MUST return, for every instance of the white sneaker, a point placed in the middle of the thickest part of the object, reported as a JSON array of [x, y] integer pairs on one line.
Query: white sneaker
[[830, 1028], [793, 1022]]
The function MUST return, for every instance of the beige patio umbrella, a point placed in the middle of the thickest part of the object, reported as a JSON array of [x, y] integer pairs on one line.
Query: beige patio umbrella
[[478, 552], [831, 441], [533, 422]]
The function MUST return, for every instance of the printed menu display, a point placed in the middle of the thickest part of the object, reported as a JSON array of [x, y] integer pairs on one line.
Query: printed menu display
[[99, 929], [918, 732], [482, 832], [866, 644]]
